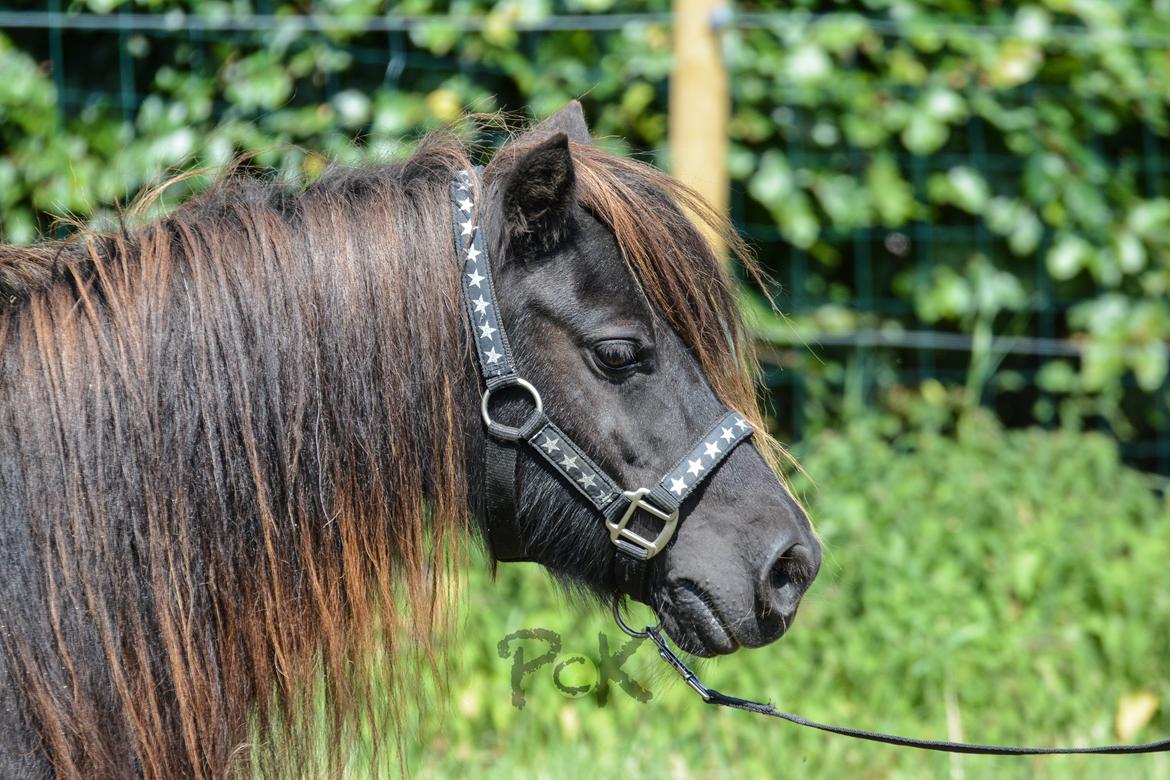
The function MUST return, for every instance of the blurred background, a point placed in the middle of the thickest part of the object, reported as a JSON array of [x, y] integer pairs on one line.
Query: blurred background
[[965, 208]]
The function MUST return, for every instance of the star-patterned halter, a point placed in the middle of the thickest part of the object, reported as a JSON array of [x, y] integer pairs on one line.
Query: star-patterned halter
[[618, 507]]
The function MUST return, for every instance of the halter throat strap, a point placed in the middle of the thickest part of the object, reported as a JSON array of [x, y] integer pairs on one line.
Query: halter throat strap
[[641, 522]]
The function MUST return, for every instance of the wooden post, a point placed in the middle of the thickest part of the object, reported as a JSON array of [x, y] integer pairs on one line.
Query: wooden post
[[700, 103]]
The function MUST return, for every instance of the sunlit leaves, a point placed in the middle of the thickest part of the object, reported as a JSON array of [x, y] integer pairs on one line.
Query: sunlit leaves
[[1014, 220], [808, 63], [1128, 335], [896, 206], [961, 186], [981, 290], [1068, 256], [258, 81], [1023, 110], [774, 184]]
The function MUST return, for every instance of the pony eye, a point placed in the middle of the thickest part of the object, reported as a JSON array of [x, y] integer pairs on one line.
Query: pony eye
[[617, 355]]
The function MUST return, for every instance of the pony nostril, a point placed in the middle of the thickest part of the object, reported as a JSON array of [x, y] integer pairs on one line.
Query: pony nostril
[[781, 575], [785, 580]]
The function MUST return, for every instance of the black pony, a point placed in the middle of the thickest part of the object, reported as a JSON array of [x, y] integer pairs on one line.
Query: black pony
[[240, 449]]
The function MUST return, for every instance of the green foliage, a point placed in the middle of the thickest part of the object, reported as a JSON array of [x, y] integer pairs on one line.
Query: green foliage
[[1035, 131], [1010, 584], [1037, 135]]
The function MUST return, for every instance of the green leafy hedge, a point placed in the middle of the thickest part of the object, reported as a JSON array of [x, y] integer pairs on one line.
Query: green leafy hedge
[[1009, 584], [903, 163]]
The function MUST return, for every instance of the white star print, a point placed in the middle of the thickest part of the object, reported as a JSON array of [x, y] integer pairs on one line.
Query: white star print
[[694, 467], [570, 462], [586, 480], [492, 356], [465, 205], [727, 434], [713, 449], [486, 331], [468, 227], [550, 444], [474, 278], [739, 423], [464, 186], [481, 306], [677, 486], [473, 253]]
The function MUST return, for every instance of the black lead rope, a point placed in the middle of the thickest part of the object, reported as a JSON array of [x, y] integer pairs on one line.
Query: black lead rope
[[712, 696]]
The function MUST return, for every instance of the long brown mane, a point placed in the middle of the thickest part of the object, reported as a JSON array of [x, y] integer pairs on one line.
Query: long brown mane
[[232, 448]]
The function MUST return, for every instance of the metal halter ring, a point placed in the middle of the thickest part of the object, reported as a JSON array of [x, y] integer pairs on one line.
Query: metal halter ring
[[617, 616], [508, 432]]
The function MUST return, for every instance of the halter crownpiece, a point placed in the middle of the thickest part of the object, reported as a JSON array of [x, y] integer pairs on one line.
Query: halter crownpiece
[[618, 507]]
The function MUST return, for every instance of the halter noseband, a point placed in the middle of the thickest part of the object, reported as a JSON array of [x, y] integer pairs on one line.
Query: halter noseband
[[619, 508]]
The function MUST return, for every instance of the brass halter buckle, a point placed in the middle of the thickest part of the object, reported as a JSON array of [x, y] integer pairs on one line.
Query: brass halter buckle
[[624, 538]]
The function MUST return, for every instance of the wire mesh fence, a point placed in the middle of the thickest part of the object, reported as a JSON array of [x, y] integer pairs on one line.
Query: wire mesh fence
[[874, 269]]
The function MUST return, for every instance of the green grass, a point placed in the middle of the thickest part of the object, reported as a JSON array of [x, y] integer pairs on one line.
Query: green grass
[[1010, 584]]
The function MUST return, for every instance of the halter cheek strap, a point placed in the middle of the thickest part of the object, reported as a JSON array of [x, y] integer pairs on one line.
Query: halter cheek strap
[[641, 522]]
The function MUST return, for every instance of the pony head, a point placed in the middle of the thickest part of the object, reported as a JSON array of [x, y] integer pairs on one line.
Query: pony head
[[622, 315]]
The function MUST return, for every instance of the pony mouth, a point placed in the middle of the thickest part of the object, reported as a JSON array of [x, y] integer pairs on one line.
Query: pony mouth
[[691, 619]]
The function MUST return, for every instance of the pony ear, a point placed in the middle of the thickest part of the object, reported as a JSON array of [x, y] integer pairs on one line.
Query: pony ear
[[570, 120], [538, 195]]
